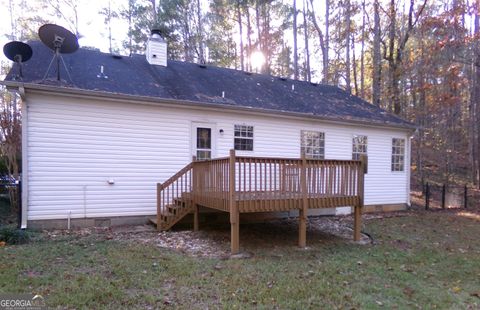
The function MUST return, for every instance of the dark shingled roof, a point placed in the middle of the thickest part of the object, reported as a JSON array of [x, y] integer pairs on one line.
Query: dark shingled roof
[[203, 84]]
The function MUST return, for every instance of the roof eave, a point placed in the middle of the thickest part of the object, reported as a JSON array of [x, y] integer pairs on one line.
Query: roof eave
[[196, 104]]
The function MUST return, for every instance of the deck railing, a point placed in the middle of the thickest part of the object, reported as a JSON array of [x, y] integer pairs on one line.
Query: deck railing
[[211, 183], [175, 187], [254, 184], [277, 182]]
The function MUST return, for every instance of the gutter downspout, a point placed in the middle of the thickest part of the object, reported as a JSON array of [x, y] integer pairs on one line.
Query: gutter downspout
[[21, 91]]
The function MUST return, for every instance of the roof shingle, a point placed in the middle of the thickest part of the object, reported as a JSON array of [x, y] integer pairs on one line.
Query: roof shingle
[[203, 84]]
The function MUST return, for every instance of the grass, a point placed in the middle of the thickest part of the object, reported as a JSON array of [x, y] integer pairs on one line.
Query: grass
[[420, 260]]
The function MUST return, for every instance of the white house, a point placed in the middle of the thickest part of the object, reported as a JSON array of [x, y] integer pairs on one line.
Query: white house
[[96, 143]]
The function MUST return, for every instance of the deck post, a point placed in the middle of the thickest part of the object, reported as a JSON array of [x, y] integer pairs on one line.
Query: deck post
[[234, 214], [159, 206], [357, 227], [195, 217], [194, 203], [302, 216]]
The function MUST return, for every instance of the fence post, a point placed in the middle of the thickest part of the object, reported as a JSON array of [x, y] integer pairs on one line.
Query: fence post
[[302, 216], [443, 196], [427, 196], [465, 197], [234, 214], [19, 203]]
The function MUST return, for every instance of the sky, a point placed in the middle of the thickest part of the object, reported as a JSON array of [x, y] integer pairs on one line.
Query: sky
[[91, 24]]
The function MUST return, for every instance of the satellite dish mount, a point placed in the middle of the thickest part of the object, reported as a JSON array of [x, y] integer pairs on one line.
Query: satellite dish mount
[[61, 41]]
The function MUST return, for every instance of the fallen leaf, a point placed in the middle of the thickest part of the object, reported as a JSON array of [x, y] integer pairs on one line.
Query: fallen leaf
[[456, 289], [2, 243], [408, 291], [475, 294]]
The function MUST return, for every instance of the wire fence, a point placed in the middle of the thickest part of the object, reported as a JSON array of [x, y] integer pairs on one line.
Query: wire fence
[[447, 196]]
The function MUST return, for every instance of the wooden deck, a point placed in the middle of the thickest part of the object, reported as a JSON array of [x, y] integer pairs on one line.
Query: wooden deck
[[248, 202], [257, 184]]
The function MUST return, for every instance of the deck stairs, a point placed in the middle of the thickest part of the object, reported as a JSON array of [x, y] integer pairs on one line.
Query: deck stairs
[[173, 213]]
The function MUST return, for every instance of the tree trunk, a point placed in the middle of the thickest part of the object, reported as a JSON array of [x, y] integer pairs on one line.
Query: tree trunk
[[362, 56], [354, 66], [473, 107], [307, 50], [347, 47], [240, 28], [326, 60], [266, 38], [391, 58], [259, 29], [477, 90], [295, 47], [377, 65], [249, 38], [201, 53], [323, 40]]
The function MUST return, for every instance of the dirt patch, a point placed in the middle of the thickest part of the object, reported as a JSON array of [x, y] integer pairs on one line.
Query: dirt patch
[[214, 241]]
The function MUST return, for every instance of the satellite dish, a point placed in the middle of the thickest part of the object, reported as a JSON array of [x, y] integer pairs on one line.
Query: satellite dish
[[58, 38], [61, 41], [18, 52]]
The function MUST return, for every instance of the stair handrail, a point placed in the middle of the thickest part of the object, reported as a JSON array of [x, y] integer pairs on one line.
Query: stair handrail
[[172, 189]]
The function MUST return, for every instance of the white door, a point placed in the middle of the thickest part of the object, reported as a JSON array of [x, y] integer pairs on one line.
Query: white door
[[203, 142]]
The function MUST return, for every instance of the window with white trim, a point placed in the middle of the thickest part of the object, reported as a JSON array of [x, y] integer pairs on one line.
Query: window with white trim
[[243, 140], [359, 146], [398, 154], [313, 144]]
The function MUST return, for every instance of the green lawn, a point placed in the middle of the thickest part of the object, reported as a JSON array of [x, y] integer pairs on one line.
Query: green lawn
[[419, 260]]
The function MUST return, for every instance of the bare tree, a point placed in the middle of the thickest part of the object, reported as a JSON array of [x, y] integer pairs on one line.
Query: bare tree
[[308, 72], [474, 103], [397, 44], [201, 52], [347, 46], [295, 47], [324, 39], [240, 29], [377, 64], [362, 55], [10, 137], [109, 15]]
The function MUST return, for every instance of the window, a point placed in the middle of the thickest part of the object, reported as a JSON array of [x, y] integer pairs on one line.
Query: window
[[398, 154], [359, 146], [243, 138], [204, 143], [313, 144]]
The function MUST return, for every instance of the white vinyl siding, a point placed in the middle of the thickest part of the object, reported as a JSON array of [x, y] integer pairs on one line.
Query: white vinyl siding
[[76, 145]]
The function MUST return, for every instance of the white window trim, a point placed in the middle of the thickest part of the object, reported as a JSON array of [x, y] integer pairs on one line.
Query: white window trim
[[193, 137], [324, 140], [404, 155], [356, 135], [252, 138]]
